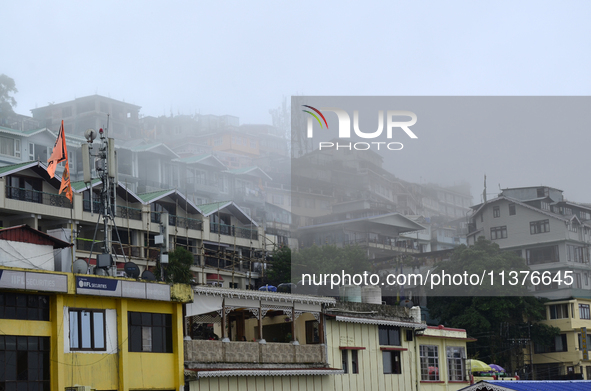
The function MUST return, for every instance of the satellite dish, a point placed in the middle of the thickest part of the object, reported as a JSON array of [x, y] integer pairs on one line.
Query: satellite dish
[[100, 272], [131, 270], [148, 275], [406, 303], [80, 267]]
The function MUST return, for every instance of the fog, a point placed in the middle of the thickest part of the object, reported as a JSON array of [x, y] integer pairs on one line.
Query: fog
[[242, 59]]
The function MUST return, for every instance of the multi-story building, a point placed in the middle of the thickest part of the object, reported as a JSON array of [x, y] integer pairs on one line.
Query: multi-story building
[[62, 330], [317, 343], [539, 225], [91, 112], [563, 356], [224, 239]]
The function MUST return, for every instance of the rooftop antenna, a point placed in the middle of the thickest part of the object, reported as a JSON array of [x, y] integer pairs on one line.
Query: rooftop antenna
[[484, 191], [106, 169]]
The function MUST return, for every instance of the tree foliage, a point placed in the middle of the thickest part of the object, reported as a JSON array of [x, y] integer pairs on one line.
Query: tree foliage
[[280, 269], [7, 102], [288, 266], [178, 269], [504, 323]]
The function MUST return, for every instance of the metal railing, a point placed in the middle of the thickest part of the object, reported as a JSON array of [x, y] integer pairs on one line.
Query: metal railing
[[127, 212], [232, 230], [129, 250], [38, 197], [185, 222]]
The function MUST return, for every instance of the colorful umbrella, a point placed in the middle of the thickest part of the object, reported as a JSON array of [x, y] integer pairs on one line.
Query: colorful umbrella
[[479, 366], [496, 368]]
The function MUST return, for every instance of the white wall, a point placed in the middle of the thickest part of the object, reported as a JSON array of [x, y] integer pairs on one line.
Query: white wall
[[26, 255]]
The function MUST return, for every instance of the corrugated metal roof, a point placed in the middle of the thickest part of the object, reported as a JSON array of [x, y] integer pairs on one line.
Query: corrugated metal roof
[[212, 207], [147, 197], [24, 233], [14, 167]]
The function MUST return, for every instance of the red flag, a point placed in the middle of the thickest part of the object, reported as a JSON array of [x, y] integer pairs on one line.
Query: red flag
[[59, 154]]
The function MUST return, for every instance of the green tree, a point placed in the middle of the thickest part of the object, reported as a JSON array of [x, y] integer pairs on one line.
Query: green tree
[[7, 102], [502, 323], [178, 269], [280, 269]]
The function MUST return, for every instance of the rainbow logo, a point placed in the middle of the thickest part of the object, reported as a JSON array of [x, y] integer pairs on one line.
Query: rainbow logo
[[315, 116]]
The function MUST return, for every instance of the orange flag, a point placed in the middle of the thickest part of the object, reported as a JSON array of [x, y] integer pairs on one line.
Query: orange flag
[[66, 185], [60, 154]]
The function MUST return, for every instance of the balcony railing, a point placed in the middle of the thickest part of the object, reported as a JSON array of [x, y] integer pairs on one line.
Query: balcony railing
[[128, 250], [38, 197], [232, 230], [205, 351], [129, 213], [185, 222]]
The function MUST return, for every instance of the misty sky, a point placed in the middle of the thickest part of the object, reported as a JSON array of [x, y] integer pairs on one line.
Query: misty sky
[[242, 58]]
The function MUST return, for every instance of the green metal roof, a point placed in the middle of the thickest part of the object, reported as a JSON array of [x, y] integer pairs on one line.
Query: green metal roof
[[212, 207], [13, 167], [147, 197], [192, 159], [79, 185], [241, 170]]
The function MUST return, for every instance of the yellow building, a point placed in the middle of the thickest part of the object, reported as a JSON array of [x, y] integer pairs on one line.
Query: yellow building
[[328, 345], [563, 357], [63, 330]]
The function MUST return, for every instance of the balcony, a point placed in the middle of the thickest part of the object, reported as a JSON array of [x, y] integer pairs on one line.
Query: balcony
[[185, 222], [205, 351], [128, 250], [231, 230], [38, 197]]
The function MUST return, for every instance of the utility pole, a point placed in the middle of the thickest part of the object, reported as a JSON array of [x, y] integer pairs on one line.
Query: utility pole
[[106, 170]]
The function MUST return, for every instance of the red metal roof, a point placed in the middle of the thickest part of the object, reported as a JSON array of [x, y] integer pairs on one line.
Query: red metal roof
[[24, 233]]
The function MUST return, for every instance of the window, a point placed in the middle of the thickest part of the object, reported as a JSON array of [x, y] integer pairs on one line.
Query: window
[[253, 144], [87, 329], [391, 361], [24, 307], [538, 227], [584, 311], [577, 281], [496, 211], [345, 359], [572, 227], [150, 332], [498, 232], [10, 146], [389, 335], [217, 141], [24, 363], [545, 206], [455, 363], [559, 345], [511, 209], [354, 361], [576, 254], [429, 362], [312, 332], [540, 255], [558, 311]]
